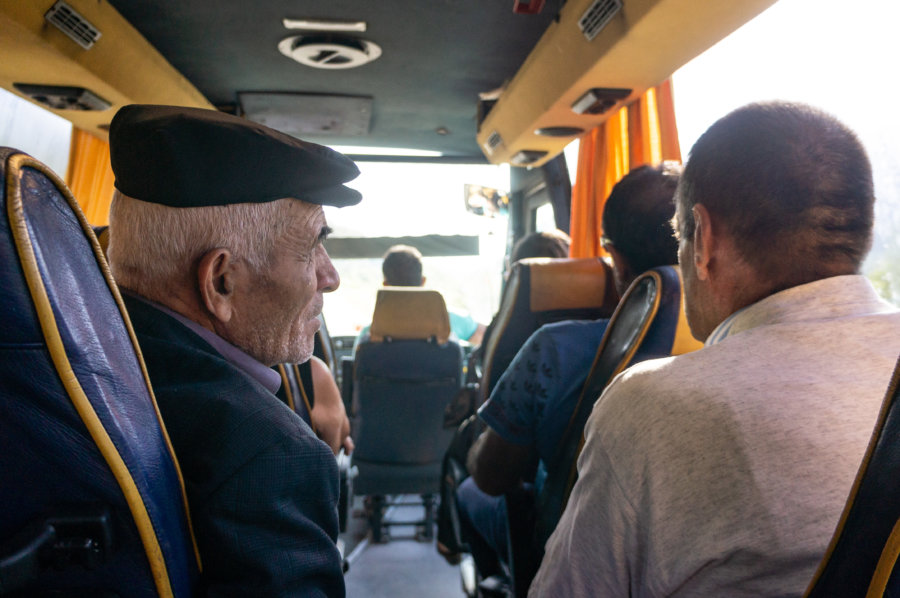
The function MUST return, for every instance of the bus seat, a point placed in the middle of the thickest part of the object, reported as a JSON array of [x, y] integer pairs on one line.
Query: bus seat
[[323, 348], [296, 389], [297, 392], [540, 291], [102, 233], [404, 376], [93, 501], [862, 556], [648, 323]]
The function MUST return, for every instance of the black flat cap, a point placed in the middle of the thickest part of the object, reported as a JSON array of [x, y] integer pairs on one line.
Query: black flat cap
[[189, 157]]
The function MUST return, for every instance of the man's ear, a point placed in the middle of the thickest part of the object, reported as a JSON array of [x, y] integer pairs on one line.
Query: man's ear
[[703, 242], [215, 279]]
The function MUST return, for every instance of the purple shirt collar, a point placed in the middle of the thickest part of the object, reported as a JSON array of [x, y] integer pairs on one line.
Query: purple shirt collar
[[265, 375]]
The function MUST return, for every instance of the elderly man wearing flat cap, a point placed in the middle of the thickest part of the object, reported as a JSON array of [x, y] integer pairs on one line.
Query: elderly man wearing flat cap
[[216, 233]]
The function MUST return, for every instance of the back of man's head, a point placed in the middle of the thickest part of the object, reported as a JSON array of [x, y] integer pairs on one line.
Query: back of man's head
[[637, 216], [792, 187], [402, 267], [155, 247]]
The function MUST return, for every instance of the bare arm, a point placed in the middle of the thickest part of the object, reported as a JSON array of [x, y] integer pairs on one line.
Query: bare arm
[[328, 414], [477, 336], [498, 465]]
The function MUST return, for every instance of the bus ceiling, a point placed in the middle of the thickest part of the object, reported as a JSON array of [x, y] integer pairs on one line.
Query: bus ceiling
[[400, 74]]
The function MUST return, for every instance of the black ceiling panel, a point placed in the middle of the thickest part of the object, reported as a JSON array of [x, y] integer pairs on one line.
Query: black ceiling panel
[[437, 55]]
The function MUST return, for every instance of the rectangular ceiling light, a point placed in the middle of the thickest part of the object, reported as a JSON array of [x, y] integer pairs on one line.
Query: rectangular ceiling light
[[309, 114], [362, 150], [313, 25]]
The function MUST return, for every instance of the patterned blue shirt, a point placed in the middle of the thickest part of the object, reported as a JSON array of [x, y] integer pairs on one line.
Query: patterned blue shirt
[[534, 398]]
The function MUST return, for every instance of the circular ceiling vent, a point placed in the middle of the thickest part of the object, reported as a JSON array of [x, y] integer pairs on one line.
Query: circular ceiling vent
[[329, 52]]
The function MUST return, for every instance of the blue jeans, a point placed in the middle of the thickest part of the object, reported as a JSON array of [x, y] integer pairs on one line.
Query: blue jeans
[[486, 514]]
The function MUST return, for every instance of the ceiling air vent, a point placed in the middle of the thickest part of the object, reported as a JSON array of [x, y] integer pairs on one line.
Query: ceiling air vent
[[329, 51], [73, 25], [493, 142], [597, 16]]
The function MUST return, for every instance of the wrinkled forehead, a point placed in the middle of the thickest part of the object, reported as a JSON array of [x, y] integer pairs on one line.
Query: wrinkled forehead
[[306, 222]]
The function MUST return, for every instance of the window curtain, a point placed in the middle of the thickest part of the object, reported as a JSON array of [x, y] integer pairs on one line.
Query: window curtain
[[90, 176], [643, 132]]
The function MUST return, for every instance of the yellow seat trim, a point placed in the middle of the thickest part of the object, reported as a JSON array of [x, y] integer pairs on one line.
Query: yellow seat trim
[[886, 563], [409, 313], [551, 288], [549, 275], [620, 367], [891, 550], [50, 329], [286, 383], [303, 393], [684, 341]]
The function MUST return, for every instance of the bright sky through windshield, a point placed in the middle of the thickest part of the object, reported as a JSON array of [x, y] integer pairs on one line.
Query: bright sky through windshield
[[838, 56], [409, 199], [414, 199]]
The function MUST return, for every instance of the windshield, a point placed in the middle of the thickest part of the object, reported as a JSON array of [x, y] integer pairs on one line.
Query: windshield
[[423, 205]]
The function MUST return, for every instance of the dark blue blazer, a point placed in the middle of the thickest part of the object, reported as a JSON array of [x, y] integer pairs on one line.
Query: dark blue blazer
[[262, 489]]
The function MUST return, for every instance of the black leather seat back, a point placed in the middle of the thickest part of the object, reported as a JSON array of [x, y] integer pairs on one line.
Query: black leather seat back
[[80, 433], [861, 559]]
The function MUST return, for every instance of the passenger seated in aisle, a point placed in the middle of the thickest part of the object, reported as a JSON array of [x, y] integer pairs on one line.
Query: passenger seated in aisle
[[529, 408], [216, 232], [402, 267], [724, 472]]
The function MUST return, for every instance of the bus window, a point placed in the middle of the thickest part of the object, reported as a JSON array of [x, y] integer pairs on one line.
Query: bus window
[[421, 205], [543, 218], [35, 131], [815, 52]]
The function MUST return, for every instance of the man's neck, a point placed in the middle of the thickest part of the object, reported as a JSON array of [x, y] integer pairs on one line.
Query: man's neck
[[185, 306]]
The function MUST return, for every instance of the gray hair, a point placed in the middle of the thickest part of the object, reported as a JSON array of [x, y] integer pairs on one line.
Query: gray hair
[[154, 248]]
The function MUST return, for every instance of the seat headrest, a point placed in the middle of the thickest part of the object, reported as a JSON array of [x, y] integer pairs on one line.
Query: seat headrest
[[406, 313], [587, 282]]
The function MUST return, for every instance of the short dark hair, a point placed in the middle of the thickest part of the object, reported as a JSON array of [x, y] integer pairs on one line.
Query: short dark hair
[[540, 244], [402, 266], [637, 216], [791, 184]]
